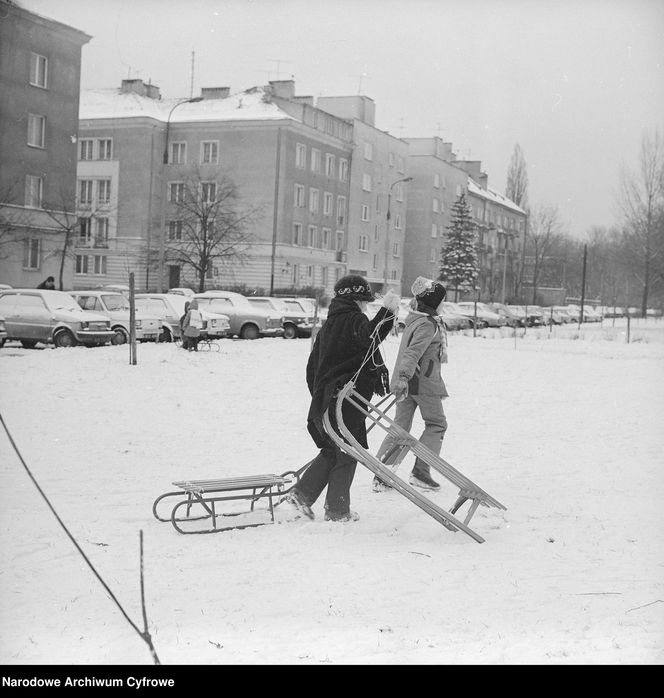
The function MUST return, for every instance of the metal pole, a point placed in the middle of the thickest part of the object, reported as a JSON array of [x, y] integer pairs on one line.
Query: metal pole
[[275, 216], [583, 283], [504, 270], [132, 321], [387, 231]]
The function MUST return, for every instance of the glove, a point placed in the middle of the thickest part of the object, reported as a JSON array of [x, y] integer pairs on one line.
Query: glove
[[391, 301], [399, 388]]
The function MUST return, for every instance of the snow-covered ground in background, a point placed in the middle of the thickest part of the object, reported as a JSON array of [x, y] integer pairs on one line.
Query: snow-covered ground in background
[[564, 428]]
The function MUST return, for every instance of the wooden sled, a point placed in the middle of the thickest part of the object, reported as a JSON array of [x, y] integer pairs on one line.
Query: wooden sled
[[403, 442], [198, 503]]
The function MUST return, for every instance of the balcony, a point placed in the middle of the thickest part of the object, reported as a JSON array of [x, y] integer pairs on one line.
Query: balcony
[[341, 256]]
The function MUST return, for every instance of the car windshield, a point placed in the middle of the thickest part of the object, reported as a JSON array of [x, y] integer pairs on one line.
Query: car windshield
[[262, 303], [115, 302], [293, 306], [63, 301]]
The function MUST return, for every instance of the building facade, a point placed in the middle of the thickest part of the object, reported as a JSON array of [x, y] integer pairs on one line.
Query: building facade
[[40, 63], [288, 162]]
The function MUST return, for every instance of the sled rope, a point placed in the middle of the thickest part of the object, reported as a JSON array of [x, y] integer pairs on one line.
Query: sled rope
[[144, 634]]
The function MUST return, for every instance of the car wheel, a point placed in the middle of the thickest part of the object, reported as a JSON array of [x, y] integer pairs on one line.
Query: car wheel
[[121, 336], [29, 343], [165, 336], [64, 338], [290, 332], [249, 332]]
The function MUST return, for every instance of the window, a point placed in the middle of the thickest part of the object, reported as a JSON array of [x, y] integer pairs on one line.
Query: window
[[101, 232], [85, 192], [38, 70], [297, 234], [300, 155], [329, 164], [86, 149], [327, 204], [435, 205], [378, 203], [210, 152], [400, 164], [398, 192], [103, 191], [375, 262], [34, 191], [208, 192], [105, 148], [31, 253], [81, 264], [395, 249], [178, 153], [393, 274], [363, 243], [340, 240], [36, 130], [390, 159], [341, 210], [368, 151], [434, 230], [299, 196], [343, 169], [325, 241], [376, 233], [315, 160], [176, 192], [432, 256], [311, 237], [436, 180], [366, 182], [397, 222], [99, 264], [458, 190], [296, 274], [84, 231], [313, 200], [175, 230], [364, 215]]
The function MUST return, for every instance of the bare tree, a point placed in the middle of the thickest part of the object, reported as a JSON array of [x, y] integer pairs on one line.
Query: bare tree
[[545, 235], [209, 226], [517, 191], [641, 203]]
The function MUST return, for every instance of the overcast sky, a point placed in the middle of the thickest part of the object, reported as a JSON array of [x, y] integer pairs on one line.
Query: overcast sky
[[573, 82]]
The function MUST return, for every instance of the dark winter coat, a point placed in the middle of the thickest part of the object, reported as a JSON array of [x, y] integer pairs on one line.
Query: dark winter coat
[[340, 347]]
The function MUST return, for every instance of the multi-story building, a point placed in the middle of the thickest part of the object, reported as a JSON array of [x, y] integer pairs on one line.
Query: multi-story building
[[436, 185], [40, 62], [288, 161], [500, 234], [379, 185]]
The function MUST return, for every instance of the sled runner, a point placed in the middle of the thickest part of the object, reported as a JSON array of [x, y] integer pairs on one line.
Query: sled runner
[[404, 442], [199, 504]]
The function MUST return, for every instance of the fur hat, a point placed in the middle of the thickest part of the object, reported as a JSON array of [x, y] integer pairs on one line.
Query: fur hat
[[354, 287], [431, 293]]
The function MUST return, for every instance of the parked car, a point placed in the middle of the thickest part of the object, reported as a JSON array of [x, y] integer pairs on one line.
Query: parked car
[[116, 307], [563, 313], [39, 315], [553, 316], [182, 292], [4, 287], [309, 306], [511, 318], [247, 321], [3, 332], [170, 308], [484, 313], [296, 321], [530, 315]]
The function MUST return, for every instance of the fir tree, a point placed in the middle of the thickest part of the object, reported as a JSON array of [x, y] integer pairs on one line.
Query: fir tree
[[459, 263]]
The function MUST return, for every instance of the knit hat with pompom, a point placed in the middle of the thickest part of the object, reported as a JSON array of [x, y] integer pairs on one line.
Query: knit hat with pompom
[[429, 292]]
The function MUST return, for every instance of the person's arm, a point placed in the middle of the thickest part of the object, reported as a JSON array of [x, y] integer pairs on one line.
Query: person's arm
[[409, 359]]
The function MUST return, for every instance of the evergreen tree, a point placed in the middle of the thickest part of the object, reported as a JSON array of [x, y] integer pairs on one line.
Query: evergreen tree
[[459, 262]]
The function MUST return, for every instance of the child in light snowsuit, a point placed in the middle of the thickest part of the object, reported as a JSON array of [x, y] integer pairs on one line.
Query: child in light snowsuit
[[192, 324], [417, 382]]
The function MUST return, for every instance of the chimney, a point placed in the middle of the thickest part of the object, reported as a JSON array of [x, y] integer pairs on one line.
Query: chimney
[[304, 100], [215, 92], [138, 87], [285, 89]]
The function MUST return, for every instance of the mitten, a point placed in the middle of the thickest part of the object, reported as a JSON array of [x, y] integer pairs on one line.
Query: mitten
[[399, 388], [391, 301]]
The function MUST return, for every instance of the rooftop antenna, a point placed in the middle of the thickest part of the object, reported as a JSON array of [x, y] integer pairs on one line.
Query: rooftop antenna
[[278, 61], [191, 87], [359, 87]]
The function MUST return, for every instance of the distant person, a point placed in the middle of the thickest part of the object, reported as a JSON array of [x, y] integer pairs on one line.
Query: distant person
[[346, 344], [48, 282], [192, 324], [417, 382]]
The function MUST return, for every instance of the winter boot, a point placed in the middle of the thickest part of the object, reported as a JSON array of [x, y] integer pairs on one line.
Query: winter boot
[[423, 481], [379, 486], [341, 518]]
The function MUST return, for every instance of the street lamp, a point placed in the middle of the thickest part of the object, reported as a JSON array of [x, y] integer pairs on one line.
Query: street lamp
[[387, 233], [164, 193], [507, 237]]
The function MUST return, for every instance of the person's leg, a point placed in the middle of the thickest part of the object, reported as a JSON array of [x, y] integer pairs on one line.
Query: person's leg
[[315, 477], [340, 478], [435, 426], [403, 417]]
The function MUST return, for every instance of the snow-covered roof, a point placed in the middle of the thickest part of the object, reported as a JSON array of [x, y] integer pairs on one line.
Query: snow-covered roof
[[112, 104], [492, 195]]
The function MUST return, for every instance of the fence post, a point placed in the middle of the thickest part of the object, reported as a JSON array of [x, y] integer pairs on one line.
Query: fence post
[[132, 321]]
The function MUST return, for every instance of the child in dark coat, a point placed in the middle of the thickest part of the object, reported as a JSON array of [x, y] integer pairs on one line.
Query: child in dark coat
[[340, 348]]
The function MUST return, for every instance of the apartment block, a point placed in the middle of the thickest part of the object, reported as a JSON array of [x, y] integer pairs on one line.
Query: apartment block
[[40, 61]]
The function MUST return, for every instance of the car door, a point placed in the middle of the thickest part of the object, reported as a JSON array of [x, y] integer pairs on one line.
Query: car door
[[9, 313], [35, 317]]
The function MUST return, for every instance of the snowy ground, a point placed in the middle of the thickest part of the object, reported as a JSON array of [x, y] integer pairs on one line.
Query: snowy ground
[[564, 428]]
